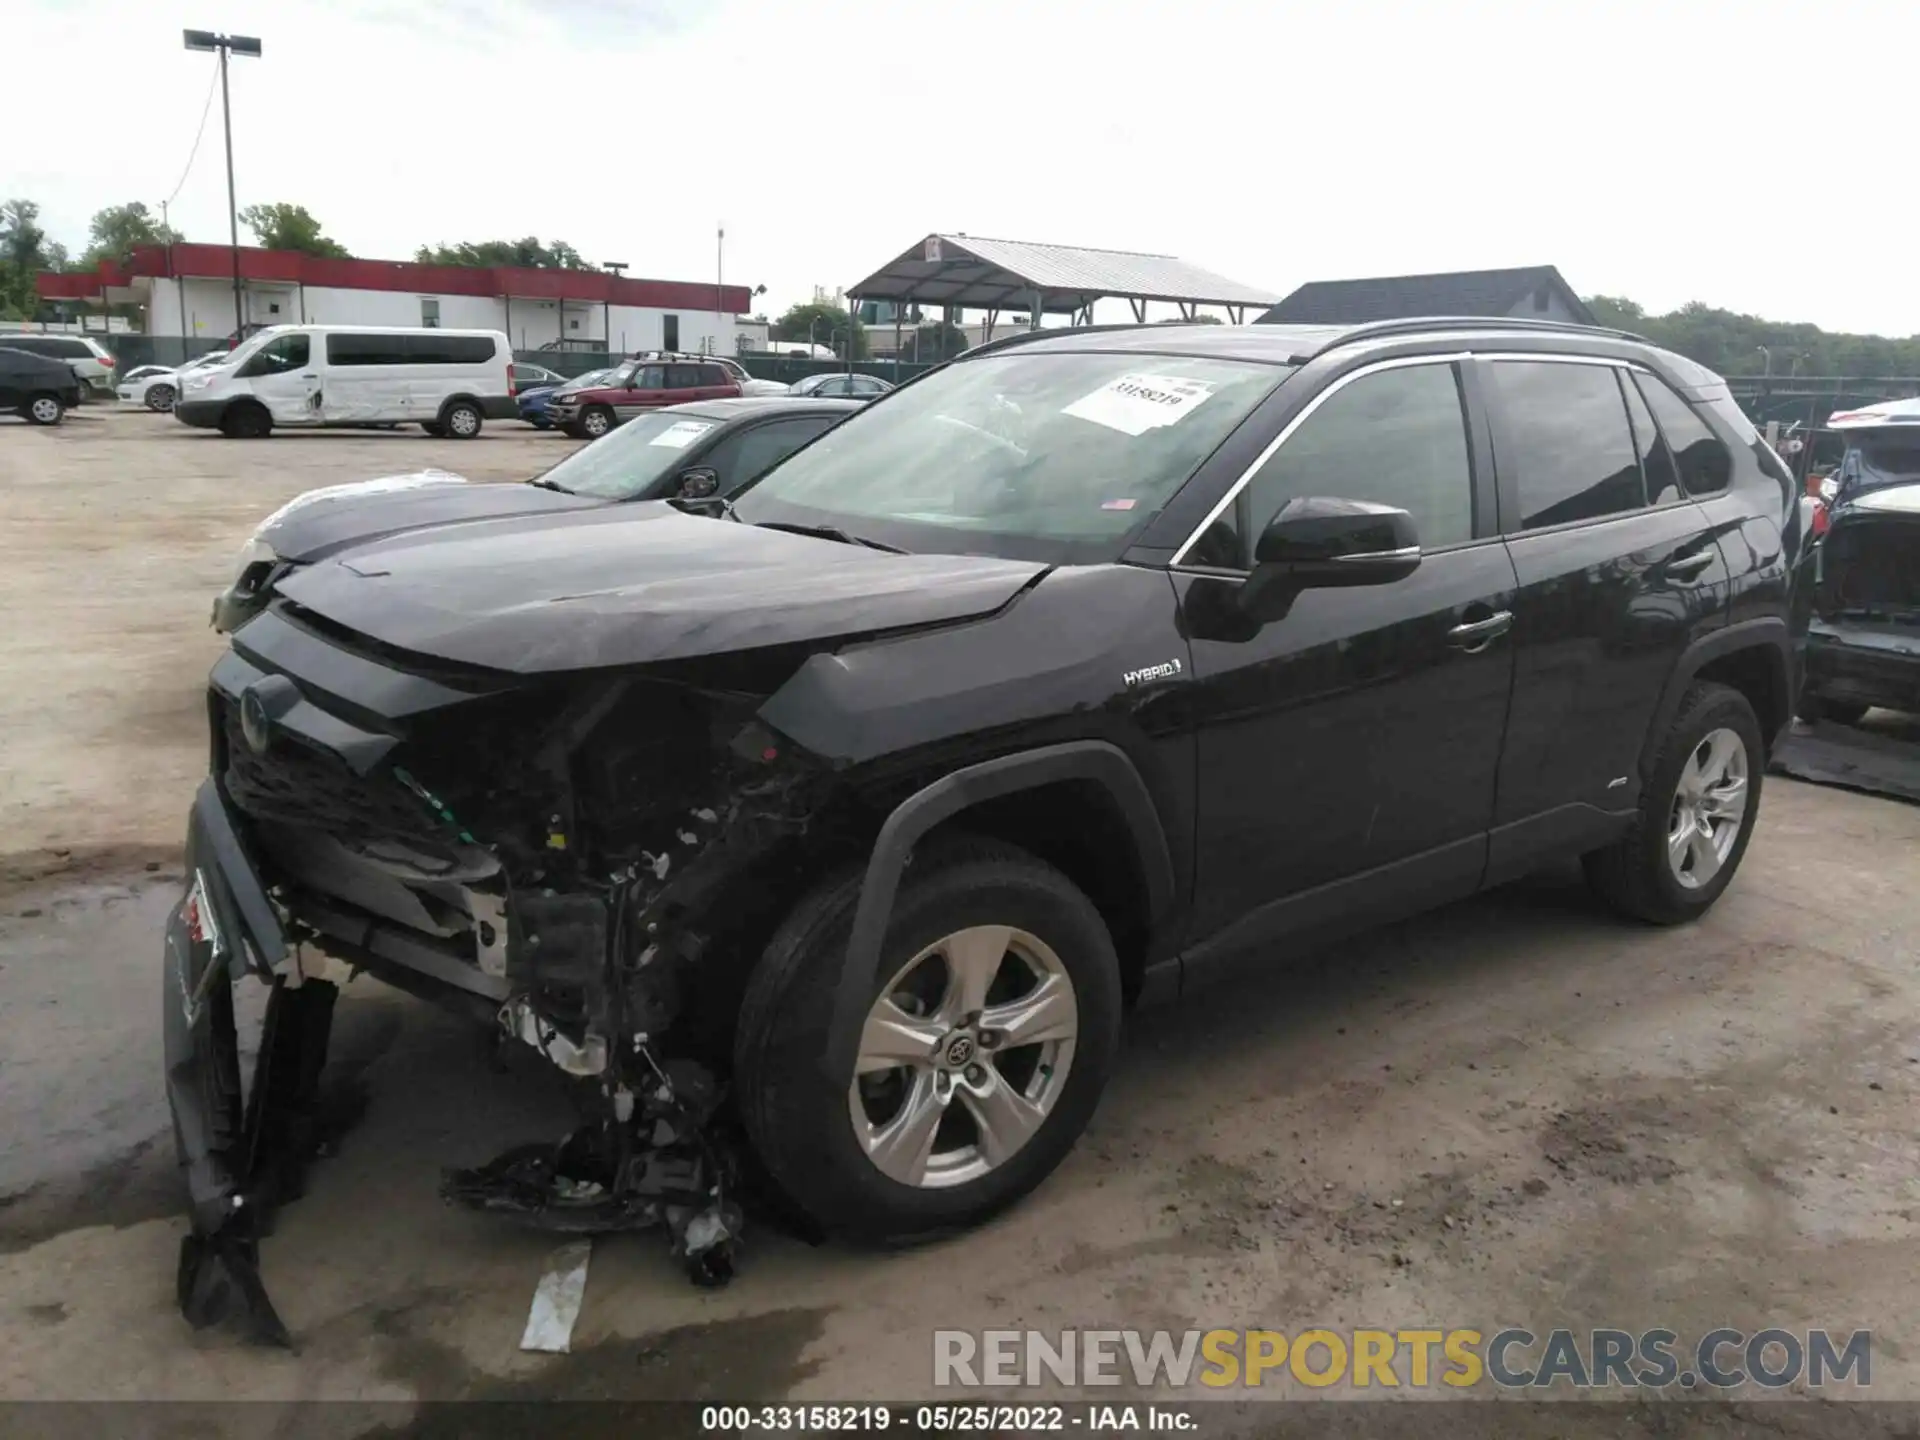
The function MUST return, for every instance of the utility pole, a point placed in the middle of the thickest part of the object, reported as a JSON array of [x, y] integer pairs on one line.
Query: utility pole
[[222, 45], [719, 281], [613, 268]]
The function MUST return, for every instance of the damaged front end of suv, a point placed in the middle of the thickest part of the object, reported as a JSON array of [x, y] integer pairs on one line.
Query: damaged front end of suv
[[563, 849]]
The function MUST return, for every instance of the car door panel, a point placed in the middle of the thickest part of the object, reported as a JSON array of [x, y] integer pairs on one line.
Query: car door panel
[[1355, 740], [647, 392], [286, 379], [1607, 602]]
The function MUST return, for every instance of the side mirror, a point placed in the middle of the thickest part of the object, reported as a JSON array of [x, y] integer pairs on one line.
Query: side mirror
[[698, 484], [1321, 542]]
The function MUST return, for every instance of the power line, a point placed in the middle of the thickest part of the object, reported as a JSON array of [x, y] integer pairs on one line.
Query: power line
[[205, 110]]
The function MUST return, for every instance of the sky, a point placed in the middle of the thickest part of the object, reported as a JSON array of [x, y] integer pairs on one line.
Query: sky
[[1665, 150]]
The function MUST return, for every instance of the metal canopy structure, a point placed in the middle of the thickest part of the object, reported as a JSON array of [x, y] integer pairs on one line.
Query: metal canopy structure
[[966, 272]]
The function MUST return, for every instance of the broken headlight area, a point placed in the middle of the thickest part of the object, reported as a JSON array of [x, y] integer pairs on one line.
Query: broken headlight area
[[561, 863]]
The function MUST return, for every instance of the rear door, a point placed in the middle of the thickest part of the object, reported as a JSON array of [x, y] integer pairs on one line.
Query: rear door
[[1618, 571], [363, 376]]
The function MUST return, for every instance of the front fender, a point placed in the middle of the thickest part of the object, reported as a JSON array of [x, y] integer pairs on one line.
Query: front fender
[[1096, 760]]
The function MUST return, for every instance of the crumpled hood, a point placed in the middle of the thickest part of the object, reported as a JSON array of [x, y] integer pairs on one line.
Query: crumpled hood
[[633, 584], [320, 522]]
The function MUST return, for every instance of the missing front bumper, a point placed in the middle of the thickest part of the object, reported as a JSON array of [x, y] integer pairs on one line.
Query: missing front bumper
[[648, 1157]]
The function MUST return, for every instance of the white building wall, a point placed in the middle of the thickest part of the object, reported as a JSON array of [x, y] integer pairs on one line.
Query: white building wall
[[530, 324]]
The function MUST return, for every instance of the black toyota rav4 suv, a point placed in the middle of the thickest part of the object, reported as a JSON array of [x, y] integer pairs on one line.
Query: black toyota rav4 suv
[[826, 833]]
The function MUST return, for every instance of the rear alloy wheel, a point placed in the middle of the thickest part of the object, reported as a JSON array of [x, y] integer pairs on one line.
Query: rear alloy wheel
[[45, 410], [160, 397], [596, 421], [461, 420], [1696, 813], [980, 1056]]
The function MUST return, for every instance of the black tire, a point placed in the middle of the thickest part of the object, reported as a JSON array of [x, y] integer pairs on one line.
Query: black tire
[[246, 421], [45, 408], [461, 419], [1634, 875], [434, 428], [1814, 708], [799, 1119], [595, 421], [160, 398]]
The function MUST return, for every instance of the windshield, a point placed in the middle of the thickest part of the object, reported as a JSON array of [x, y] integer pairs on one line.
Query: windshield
[[629, 461], [1054, 457], [1881, 457]]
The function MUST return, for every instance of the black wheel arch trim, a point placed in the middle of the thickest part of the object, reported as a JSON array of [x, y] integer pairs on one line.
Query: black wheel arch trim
[[1096, 760], [1769, 634]]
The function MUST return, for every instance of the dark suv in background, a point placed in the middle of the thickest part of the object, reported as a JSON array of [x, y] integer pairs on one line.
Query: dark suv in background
[[1058, 678]]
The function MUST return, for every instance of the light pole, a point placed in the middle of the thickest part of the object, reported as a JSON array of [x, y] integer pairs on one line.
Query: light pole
[[613, 268], [719, 281], [1767, 373], [238, 45]]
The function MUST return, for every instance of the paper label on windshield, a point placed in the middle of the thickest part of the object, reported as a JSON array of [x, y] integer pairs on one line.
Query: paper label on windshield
[[1135, 404], [680, 434]]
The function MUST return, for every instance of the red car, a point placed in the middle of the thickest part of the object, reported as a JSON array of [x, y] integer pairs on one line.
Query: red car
[[636, 387]]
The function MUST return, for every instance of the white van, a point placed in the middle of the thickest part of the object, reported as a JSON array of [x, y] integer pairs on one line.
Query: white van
[[446, 381]]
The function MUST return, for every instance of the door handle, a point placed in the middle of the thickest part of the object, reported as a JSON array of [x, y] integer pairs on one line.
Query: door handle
[[1475, 635], [1688, 566]]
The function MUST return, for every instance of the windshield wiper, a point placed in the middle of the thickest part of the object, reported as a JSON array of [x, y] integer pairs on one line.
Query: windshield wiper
[[828, 532], [546, 484]]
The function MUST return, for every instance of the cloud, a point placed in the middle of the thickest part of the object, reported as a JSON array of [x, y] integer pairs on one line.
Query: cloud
[[1275, 141]]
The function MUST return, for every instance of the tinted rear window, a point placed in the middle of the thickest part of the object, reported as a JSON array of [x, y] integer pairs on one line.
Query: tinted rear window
[[426, 348], [1568, 440]]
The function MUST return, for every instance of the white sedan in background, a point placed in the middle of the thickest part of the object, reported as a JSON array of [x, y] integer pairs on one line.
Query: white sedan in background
[[157, 387]]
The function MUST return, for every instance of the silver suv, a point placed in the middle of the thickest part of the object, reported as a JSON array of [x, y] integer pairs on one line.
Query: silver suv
[[92, 362]]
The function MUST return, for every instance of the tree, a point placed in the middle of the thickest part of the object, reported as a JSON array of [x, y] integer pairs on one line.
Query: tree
[[24, 253], [118, 228], [282, 226], [824, 323], [933, 343], [528, 253], [1735, 344], [1196, 320]]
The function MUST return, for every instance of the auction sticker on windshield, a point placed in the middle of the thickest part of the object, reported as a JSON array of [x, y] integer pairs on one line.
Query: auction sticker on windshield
[[1135, 404], [680, 434]]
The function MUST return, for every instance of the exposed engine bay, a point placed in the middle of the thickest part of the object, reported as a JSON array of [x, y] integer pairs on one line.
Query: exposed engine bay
[[564, 860]]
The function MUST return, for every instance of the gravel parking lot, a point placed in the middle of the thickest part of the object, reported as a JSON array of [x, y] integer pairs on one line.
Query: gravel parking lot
[[1518, 1111]]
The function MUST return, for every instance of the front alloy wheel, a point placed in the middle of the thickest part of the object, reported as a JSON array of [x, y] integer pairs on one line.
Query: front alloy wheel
[[596, 423], [963, 1056], [45, 410], [1708, 806], [160, 397], [975, 1065]]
